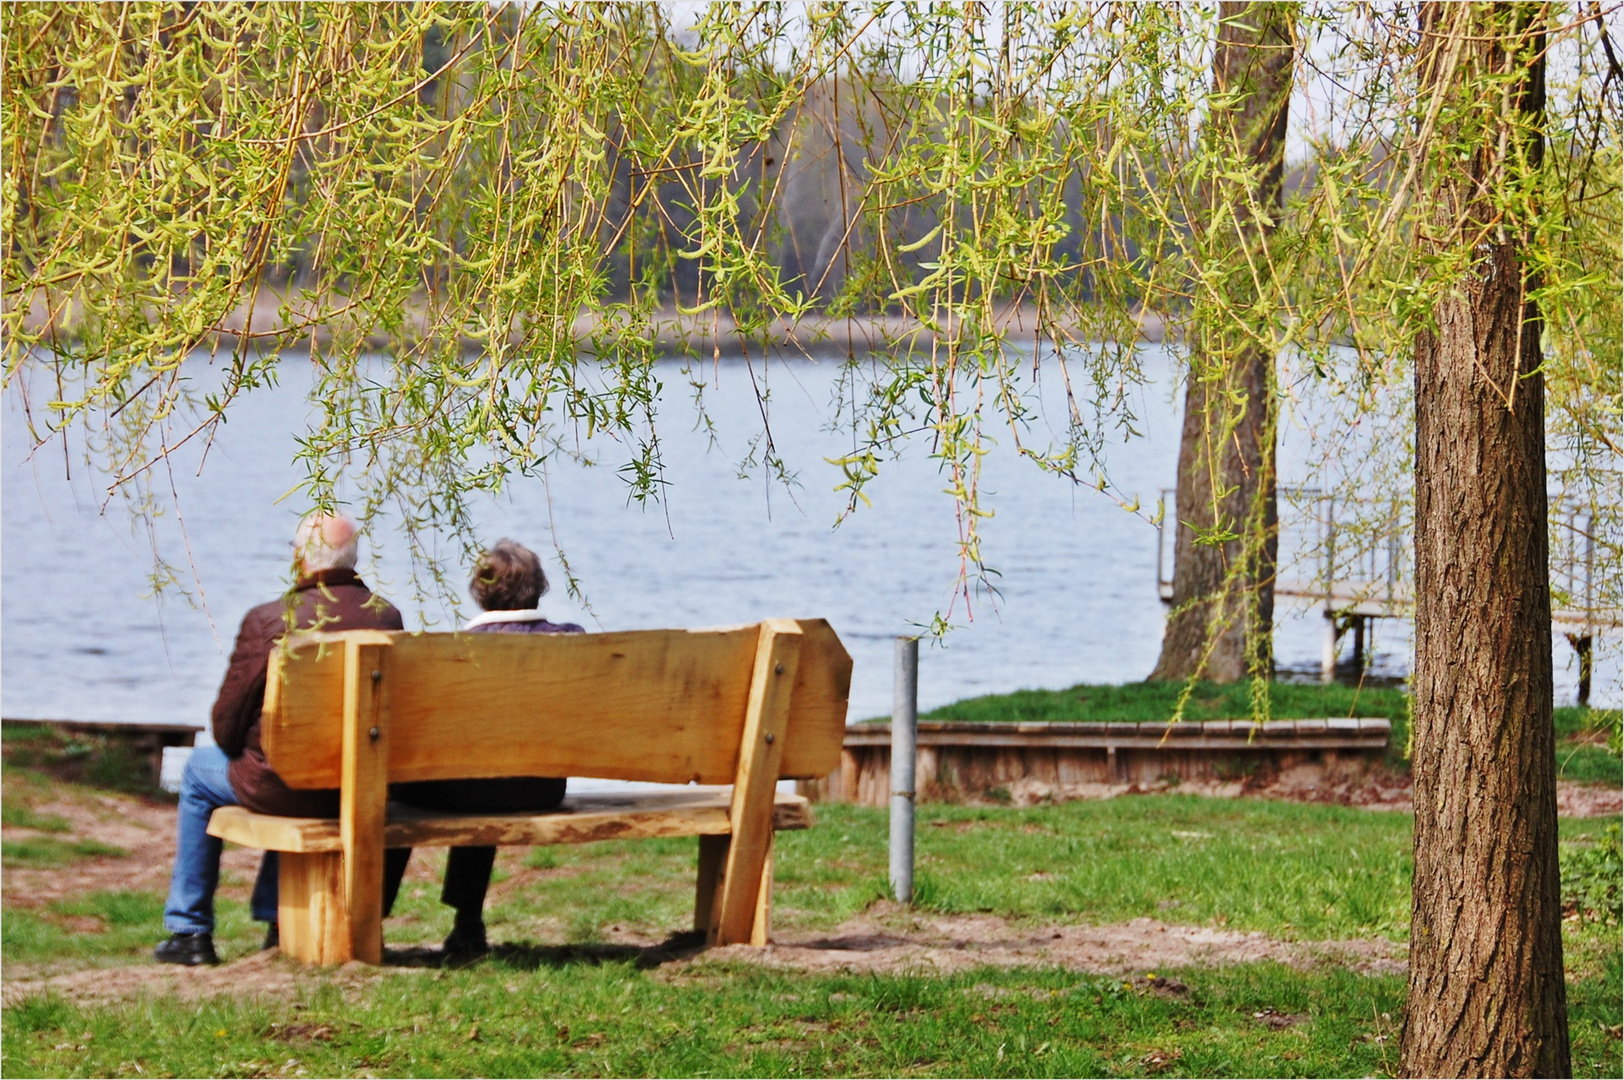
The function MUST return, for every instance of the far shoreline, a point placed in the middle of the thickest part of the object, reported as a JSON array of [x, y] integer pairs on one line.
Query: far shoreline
[[675, 332]]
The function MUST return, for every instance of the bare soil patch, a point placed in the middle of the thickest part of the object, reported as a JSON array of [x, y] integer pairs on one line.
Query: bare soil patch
[[1588, 800], [1374, 787], [889, 939], [1370, 785]]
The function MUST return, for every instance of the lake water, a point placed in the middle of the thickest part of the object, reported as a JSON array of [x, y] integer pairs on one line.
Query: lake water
[[84, 639]]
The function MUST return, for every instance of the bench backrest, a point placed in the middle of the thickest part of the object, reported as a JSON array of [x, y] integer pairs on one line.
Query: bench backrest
[[652, 705]]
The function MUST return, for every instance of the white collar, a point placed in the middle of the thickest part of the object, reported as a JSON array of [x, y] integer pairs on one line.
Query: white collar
[[489, 617]]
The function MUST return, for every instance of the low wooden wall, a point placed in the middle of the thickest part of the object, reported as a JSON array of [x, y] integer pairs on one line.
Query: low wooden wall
[[993, 762]]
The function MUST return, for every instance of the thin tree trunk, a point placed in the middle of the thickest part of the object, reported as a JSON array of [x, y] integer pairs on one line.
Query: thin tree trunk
[[1222, 619], [1486, 994]]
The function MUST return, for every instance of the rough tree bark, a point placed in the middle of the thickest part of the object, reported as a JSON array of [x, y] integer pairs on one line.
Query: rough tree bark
[[1486, 995], [1221, 623]]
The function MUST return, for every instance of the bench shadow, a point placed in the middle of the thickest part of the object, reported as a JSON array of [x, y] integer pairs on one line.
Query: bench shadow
[[523, 957]]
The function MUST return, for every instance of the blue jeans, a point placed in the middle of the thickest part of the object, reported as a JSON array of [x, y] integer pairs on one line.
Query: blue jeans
[[205, 785]]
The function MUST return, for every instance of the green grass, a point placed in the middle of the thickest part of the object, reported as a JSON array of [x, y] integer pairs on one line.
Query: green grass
[[97, 761], [582, 1018], [106, 929], [1293, 871], [1588, 745], [1586, 763], [1157, 701], [1331, 871], [21, 816], [50, 851], [103, 926], [1573, 721]]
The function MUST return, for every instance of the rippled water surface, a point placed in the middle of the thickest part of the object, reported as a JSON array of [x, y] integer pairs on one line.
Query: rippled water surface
[[83, 638]]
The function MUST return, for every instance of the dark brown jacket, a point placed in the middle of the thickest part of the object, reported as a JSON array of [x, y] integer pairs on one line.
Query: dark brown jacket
[[326, 600]]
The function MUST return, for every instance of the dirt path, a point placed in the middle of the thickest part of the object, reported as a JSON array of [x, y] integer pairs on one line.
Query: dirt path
[[887, 939]]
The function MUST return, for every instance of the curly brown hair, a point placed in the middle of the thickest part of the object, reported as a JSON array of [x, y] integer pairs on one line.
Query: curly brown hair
[[508, 577]]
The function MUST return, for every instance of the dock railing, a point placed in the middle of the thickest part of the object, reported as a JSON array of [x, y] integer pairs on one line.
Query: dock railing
[[1354, 557]]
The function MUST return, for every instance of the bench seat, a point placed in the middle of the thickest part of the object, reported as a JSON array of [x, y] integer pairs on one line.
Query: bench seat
[[582, 819]]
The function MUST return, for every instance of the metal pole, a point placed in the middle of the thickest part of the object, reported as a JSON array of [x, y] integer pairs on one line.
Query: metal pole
[[904, 741], [1328, 649]]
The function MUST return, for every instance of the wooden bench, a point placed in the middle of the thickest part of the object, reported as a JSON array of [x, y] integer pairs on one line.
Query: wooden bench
[[357, 710]]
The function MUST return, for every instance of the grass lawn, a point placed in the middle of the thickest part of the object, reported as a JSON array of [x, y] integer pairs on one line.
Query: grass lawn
[[566, 996], [615, 1020], [1294, 872]]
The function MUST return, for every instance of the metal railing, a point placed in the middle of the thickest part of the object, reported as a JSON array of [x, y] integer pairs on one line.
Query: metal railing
[[1355, 557]]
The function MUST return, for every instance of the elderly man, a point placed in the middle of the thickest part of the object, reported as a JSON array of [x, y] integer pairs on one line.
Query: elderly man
[[328, 595]]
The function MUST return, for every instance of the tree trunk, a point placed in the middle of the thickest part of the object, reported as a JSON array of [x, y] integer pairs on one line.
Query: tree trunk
[[1222, 619], [1486, 995]]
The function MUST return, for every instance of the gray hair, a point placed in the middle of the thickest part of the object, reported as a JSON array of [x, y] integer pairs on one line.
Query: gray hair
[[326, 542]]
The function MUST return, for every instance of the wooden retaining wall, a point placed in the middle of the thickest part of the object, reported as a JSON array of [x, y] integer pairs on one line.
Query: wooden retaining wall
[[994, 762]]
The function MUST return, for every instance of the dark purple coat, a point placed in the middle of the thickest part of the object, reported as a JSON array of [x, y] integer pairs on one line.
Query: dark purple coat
[[326, 600]]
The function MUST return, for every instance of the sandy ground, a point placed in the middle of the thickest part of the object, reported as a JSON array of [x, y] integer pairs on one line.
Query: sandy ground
[[889, 939]]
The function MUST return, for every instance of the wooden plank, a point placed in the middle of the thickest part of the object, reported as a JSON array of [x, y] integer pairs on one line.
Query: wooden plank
[[712, 864], [364, 793], [660, 705], [581, 820], [817, 714], [310, 908], [423, 828], [269, 832], [759, 755]]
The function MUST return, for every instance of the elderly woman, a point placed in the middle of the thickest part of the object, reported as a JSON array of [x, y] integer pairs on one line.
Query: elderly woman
[[508, 583]]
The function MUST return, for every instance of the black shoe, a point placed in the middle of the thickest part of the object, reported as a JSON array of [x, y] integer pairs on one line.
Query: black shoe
[[273, 937], [190, 950], [465, 943]]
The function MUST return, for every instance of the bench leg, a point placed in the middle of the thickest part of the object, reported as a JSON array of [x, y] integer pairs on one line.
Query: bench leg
[[712, 864], [708, 892], [310, 908], [761, 926], [761, 751]]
